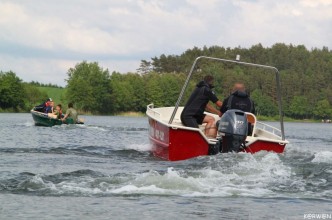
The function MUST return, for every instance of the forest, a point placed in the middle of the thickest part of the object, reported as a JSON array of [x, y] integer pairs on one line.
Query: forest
[[306, 76]]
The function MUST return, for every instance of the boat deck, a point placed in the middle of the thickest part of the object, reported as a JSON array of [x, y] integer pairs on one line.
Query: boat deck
[[261, 130]]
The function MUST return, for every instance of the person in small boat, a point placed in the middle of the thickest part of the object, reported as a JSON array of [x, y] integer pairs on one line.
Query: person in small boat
[[71, 113], [57, 113], [42, 107], [49, 107], [193, 112], [239, 99]]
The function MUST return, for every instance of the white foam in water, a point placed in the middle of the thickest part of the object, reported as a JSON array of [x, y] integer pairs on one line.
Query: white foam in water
[[28, 124], [35, 183], [323, 157], [91, 127], [229, 175], [139, 147], [94, 127], [130, 189], [250, 177], [80, 188]]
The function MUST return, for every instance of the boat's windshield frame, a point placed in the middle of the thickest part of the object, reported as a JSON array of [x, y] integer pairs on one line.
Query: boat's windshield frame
[[274, 69]]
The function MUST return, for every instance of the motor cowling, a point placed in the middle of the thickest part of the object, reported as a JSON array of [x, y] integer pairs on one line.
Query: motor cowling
[[233, 130]]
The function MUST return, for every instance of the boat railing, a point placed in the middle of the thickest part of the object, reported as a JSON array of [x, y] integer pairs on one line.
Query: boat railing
[[193, 67], [152, 112], [268, 128]]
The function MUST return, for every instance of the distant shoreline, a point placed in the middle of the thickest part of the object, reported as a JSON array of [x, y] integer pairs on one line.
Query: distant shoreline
[[141, 114]]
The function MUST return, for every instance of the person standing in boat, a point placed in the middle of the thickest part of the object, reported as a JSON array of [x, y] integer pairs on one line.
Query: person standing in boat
[[71, 113], [239, 99], [193, 112]]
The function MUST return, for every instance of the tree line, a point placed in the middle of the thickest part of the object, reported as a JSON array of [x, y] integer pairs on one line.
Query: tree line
[[306, 77], [16, 95], [38, 84]]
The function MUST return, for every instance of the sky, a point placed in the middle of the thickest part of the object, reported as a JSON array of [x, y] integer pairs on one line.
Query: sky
[[41, 39]]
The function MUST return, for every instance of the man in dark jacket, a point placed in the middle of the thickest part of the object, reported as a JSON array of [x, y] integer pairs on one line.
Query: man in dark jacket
[[193, 112], [239, 99], [42, 107]]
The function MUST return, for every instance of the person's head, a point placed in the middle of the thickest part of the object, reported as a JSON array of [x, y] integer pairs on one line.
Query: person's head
[[51, 103], [239, 86], [70, 105], [208, 79], [58, 107]]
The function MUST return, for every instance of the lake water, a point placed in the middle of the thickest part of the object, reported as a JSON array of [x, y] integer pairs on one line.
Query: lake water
[[103, 170]]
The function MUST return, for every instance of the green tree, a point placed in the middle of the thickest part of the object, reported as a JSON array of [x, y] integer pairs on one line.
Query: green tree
[[145, 67], [123, 93], [263, 104], [304, 73], [138, 98], [33, 95], [89, 88], [323, 109], [171, 85], [154, 92], [299, 107], [11, 91]]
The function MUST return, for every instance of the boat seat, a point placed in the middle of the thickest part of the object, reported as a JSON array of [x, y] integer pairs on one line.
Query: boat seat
[[251, 118], [202, 127], [178, 122]]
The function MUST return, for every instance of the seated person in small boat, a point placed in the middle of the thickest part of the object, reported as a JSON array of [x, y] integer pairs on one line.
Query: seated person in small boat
[[42, 107], [193, 112], [58, 111], [240, 100], [57, 114], [71, 113], [50, 107]]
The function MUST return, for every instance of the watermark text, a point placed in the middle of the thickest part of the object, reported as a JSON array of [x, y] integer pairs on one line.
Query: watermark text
[[317, 216]]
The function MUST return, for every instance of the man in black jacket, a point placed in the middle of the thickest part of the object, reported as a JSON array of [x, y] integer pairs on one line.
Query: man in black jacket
[[239, 99], [193, 112]]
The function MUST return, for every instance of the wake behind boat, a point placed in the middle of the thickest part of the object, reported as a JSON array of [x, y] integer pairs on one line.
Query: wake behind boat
[[171, 140]]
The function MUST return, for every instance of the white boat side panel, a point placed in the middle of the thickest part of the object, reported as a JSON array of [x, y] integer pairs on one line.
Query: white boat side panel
[[262, 131]]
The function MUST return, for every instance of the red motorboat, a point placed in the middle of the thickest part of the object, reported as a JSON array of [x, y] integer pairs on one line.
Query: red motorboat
[[171, 140]]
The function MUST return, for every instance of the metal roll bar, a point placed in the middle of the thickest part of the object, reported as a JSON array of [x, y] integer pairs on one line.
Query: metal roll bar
[[236, 62]]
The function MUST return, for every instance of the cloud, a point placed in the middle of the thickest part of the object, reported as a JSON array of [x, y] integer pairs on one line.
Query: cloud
[[316, 3], [54, 71], [280, 21], [118, 33]]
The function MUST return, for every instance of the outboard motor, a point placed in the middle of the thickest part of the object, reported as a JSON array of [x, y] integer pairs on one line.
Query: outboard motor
[[233, 128]]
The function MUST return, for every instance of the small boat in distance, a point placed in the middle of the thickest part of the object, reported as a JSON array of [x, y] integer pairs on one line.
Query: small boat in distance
[[42, 119], [171, 140]]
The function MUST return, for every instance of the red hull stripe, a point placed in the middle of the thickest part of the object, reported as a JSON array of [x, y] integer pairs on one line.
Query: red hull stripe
[[181, 144]]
